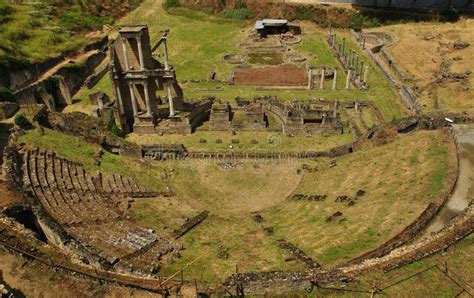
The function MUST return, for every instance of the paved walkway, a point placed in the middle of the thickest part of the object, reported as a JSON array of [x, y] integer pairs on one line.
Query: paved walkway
[[464, 189]]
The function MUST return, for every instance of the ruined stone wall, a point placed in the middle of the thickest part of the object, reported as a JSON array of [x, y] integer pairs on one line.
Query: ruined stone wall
[[406, 93], [13, 164], [200, 113], [23, 77], [61, 86], [94, 78], [84, 126], [422, 220]]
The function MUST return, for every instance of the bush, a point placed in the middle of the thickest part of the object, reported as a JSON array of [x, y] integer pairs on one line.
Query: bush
[[357, 22], [451, 14], [238, 13], [112, 126], [6, 94], [360, 21], [171, 3], [21, 121]]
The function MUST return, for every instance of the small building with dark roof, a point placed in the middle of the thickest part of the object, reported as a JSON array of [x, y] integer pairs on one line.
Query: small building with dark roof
[[276, 26]]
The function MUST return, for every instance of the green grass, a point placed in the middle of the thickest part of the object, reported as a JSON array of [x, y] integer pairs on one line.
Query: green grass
[[29, 29], [388, 206], [77, 150], [267, 58], [284, 143], [198, 42]]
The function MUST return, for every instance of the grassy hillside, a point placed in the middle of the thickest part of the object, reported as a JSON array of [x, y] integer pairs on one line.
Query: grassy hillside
[[198, 42], [34, 31]]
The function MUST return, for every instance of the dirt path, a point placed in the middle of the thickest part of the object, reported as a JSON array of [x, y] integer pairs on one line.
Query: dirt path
[[464, 190]]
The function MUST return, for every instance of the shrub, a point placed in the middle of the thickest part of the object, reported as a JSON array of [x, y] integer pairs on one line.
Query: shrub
[[303, 12], [451, 14], [112, 126], [171, 3], [357, 22], [6, 94], [238, 13], [21, 121]]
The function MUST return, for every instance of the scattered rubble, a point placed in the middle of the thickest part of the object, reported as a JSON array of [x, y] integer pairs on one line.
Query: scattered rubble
[[303, 197], [334, 216], [460, 45], [229, 165], [298, 254]]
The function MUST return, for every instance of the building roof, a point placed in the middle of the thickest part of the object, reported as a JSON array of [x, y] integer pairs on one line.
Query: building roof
[[260, 24], [132, 28]]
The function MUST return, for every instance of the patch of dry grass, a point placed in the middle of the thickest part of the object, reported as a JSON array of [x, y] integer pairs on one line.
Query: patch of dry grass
[[420, 49], [230, 195]]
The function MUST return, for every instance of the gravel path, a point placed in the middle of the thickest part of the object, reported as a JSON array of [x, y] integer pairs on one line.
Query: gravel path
[[464, 190]]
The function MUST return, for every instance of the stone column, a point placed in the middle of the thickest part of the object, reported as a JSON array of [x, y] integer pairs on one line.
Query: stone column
[[334, 113], [147, 99], [366, 70], [360, 71], [125, 55], [165, 46], [119, 98], [356, 106], [356, 63], [351, 58], [334, 80], [170, 101], [134, 101], [363, 43], [310, 78], [348, 79], [343, 45], [321, 82], [140, 53]]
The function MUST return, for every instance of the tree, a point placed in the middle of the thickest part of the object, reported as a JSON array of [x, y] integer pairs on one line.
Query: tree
[[21, 121]]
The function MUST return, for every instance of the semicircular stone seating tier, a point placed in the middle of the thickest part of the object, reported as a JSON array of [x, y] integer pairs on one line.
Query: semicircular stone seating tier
[[91, 209]]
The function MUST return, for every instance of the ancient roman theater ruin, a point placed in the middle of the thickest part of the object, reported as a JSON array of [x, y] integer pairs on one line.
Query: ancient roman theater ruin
[[285, 158]]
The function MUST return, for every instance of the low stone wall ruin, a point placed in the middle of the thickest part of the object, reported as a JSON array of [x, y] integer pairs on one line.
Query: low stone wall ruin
[[59, 88], [420, 222], [23, 77], [382, 41]]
